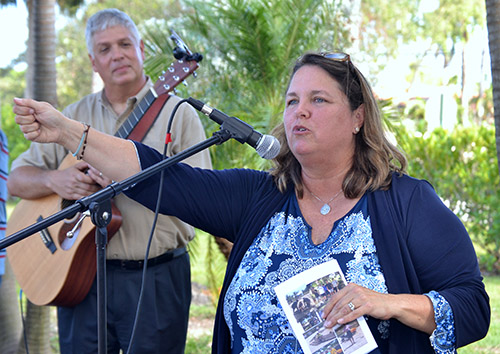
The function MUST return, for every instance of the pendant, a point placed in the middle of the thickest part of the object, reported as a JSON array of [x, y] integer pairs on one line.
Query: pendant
[[325, 209]]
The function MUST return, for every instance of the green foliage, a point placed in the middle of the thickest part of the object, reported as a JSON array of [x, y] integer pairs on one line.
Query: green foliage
[[8, 2], [395, 21], [462, 166], [491, 343], [74, 70], [70, 7], [17, 142], [198, 345], [248, 47], [208, 264], [460, 15], [405, 21], [12, 85], [139, 11]]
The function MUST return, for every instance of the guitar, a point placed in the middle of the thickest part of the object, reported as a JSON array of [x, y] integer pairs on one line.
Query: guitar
[[50, 267]]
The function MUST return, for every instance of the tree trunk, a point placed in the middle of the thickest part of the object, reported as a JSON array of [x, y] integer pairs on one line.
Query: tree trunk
[[40, 85], [37, 328], [41, 77], [465, 92], [493, 23], [10, 318]]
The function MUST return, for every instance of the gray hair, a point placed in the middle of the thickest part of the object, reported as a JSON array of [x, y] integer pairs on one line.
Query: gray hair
[[105, 19]]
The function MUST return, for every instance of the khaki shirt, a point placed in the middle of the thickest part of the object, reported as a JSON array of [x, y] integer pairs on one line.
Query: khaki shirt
[[130, 241]]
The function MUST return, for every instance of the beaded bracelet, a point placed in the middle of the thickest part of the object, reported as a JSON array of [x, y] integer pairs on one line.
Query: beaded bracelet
[[86, 133], [83, 142]]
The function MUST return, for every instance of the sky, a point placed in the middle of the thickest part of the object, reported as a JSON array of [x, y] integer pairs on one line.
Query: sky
[[14, 32]]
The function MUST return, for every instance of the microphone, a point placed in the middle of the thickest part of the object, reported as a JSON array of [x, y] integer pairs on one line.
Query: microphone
[[267, 146]]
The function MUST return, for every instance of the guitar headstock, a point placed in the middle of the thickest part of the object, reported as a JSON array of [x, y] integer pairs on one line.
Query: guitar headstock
[[186, 65], [174, 75]]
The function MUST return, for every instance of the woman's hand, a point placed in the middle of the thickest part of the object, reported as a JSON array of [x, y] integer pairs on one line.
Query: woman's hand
[[353, 301], [40, 122], [98, 177]]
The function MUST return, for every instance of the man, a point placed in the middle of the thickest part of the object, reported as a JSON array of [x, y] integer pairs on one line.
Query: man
[[117, 53]]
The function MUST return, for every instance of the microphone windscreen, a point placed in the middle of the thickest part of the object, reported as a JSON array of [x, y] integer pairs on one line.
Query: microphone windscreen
[[268, 147]]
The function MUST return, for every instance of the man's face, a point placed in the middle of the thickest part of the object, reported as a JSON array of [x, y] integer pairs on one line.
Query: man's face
[[118, 59]]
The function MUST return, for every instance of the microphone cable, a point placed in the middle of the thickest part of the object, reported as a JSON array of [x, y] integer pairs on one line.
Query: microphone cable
[[168, 139]]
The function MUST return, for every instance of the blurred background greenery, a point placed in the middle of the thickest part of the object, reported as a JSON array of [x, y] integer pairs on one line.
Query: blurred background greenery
[[248, 47]]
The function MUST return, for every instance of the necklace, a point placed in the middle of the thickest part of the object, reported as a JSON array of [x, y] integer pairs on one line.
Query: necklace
[[325, 209]]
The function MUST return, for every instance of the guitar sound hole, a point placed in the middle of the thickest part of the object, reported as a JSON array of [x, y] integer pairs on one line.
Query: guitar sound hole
[[66, 242], [67, 225], [66, 203]]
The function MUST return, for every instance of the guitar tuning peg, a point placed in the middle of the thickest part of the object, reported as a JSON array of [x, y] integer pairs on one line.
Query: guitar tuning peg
[[185, 83], [195, 74], [176, 91]]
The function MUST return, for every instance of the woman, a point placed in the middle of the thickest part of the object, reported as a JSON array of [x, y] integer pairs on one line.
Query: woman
[[337, 191]]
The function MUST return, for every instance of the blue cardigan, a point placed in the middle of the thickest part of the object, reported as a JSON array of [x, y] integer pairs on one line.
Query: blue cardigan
[[421, 244]]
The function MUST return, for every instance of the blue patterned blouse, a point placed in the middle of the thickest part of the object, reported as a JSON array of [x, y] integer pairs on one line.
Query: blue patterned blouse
[[283, 249]]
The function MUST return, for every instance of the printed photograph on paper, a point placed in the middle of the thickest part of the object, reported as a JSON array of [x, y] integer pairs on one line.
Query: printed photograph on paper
[[303, 298]]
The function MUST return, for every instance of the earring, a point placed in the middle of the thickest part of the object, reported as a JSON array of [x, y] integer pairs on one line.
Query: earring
[[356, 130]]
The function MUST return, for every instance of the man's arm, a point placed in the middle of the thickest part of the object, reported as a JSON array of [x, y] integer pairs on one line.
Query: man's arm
[[31, 182]]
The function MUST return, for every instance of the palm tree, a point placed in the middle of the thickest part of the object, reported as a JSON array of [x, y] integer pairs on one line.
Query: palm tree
[[249, 47], [10, 320], [41, 85], [41, 82], [493, 23], [41, 73]]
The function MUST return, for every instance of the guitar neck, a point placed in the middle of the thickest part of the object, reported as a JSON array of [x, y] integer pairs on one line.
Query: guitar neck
[[136, 115], [174, 75]]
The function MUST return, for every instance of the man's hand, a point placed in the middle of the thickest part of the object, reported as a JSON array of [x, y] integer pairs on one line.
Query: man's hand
[[73, 182]]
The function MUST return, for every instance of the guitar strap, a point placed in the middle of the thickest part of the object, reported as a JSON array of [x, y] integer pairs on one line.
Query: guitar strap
[[147, 121]]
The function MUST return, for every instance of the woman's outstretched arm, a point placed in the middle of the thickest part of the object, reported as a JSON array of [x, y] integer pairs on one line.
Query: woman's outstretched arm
[[41, 122]]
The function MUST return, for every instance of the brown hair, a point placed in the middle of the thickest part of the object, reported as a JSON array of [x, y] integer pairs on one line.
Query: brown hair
[[374, 156]]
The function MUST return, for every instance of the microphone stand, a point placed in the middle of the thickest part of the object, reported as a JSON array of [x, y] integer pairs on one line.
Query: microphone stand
[[99, 205]]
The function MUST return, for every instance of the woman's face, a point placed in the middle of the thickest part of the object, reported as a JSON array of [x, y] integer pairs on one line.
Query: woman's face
[[319, 123]]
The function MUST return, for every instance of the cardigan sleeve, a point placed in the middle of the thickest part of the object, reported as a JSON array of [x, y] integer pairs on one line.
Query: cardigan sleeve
[[444, 260], [215, 201]]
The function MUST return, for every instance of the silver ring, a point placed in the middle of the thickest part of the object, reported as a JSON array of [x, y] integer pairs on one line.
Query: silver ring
[[351, 306]]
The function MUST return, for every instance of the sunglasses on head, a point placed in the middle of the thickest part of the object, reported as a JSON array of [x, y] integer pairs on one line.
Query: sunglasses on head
[[337, 56], [351, 69]]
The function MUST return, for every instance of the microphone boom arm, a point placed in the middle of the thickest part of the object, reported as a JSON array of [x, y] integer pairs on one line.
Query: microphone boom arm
[[113, 189]]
